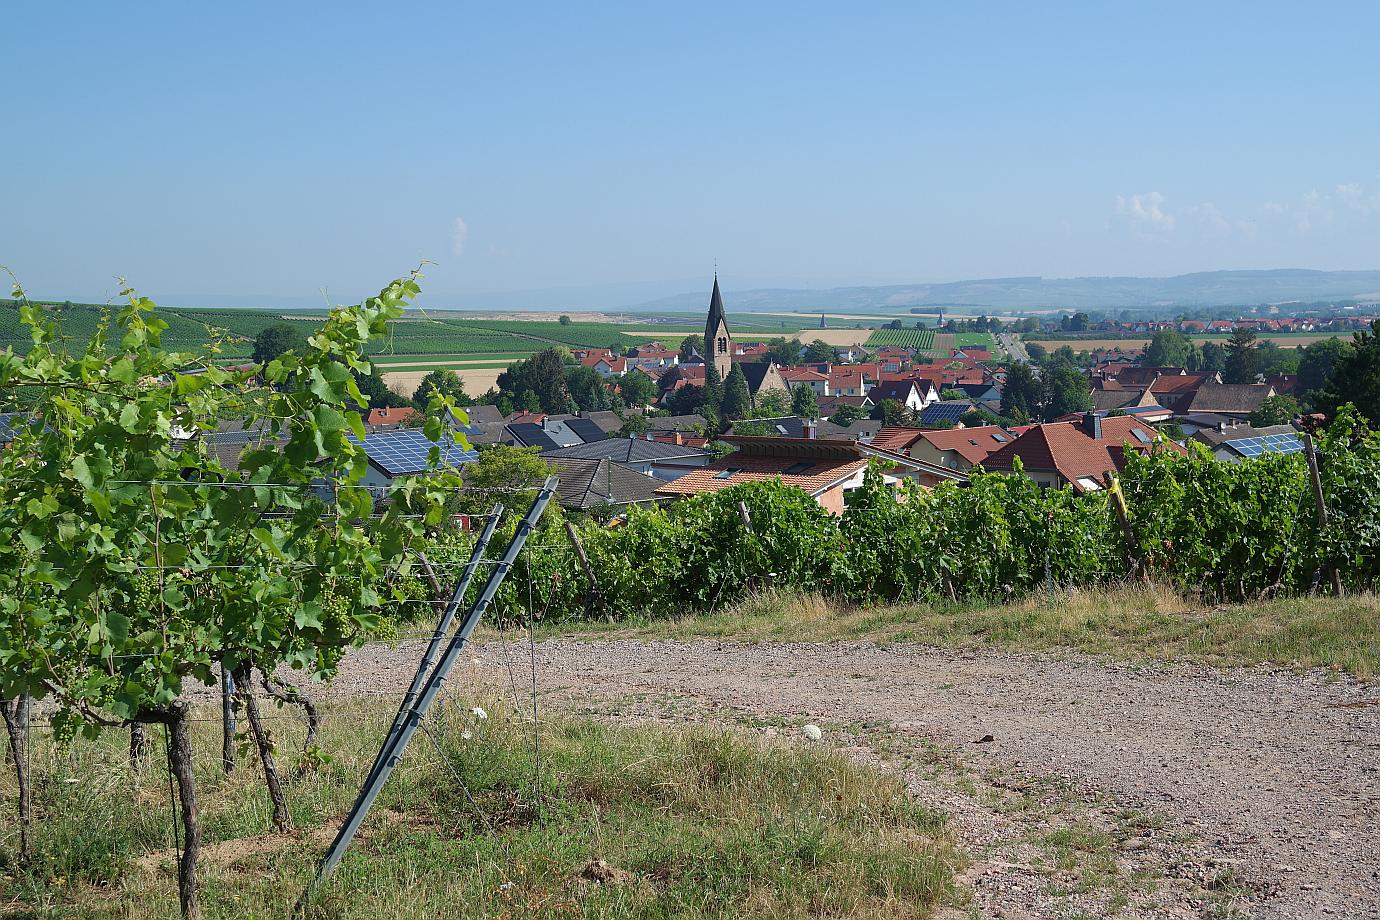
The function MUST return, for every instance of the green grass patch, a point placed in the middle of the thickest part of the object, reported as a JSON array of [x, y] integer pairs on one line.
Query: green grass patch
[[629, 822], [1132, 623]]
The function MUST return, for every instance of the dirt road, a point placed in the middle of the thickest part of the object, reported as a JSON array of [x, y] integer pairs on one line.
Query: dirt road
[[1078, 786]]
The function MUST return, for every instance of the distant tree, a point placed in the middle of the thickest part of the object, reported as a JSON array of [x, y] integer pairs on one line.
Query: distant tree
[[1036, 351], [377, 393], [445, 382], [1167, 349], [1240, 364], [893, 412], [1213, 358], [638, 389], [588, 389], [804, 402], [633, 425], [1029, 324], [564, 320], [539, 379], [273, 340], [753, 429], [1318, 362], [1276, 410], [818, 352], [785, 352], [1065, 390], [495, 475], [772, 403], [713, 389], [952, 394], [691, 345], [847, 415], [737, 402], [1355, 378], [687, 400], [1270, 359], [1064, 353], [1021, 393], [894, 324]]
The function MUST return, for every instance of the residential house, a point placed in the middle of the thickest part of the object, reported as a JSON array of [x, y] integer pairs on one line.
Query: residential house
[[390, 417], [805, 376], [1234, 443], [1077, 454], [1235, 400], [914, 394], [960, 448], [587, 484], [404, 452], [826, 469]]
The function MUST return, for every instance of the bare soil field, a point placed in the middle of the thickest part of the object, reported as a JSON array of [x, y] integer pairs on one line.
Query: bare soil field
[[1079, 787], [477, 379]]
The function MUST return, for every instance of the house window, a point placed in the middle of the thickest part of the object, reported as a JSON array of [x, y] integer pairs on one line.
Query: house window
[[795, 469], [728, 473]]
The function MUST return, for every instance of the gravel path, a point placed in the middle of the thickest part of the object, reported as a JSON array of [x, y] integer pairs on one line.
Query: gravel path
[[1248, 790]]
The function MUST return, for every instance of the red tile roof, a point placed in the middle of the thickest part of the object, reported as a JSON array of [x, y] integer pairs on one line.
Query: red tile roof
[[972, 444], [392, 416], [1065, 448]]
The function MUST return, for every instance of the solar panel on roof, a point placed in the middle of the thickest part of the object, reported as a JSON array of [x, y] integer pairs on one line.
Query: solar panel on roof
[[1267, 444], [1140, 436], [407, 451]]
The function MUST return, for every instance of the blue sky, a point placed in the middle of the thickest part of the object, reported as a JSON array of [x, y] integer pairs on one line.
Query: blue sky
[[270, 151]]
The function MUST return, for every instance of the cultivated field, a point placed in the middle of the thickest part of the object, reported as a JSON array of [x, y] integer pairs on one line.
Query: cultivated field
[[1129, 343]]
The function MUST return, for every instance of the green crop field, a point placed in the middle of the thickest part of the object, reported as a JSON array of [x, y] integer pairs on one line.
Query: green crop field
[[415, 336], [919, 339], [976, 339]]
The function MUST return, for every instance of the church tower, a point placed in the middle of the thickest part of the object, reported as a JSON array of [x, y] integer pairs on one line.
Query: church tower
[[718, 344]]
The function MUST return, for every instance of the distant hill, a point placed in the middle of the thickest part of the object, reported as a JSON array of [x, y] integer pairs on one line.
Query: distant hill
[[1201, 289]]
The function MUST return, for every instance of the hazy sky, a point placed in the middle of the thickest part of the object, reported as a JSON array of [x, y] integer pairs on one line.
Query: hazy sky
[[277, 149]]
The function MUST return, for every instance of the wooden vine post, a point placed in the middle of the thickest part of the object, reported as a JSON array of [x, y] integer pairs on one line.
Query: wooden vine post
[[1310, 454], [593, 593]]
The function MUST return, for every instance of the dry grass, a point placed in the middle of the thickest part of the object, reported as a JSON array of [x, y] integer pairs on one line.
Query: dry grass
[[1126, 622], [630, 822]]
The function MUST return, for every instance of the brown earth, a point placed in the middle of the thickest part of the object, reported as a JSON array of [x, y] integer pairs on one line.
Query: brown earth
[[1079, 787]]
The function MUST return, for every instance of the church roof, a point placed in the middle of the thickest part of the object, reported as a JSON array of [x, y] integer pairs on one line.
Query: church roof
[[716, 314]]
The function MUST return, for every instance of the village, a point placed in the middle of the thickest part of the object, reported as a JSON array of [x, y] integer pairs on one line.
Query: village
[[820, 424]]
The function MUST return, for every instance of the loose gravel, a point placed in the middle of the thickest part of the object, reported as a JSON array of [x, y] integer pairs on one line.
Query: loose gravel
[[1248, 792]]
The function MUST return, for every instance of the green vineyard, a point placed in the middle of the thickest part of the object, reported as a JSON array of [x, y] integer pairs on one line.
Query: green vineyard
[[919, 339]]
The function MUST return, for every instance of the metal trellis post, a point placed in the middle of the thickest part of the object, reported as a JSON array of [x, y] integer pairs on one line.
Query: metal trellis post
[[391, 753]]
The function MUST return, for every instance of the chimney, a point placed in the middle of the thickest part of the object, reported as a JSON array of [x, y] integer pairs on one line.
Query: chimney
[[810, 428], [1092, 425]]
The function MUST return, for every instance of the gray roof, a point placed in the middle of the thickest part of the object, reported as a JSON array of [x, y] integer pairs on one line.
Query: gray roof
[[790, 426], [587, 484], [862, 428], [675, 422], [1229, 397], [482, 414], [627, 450], [605, 419]]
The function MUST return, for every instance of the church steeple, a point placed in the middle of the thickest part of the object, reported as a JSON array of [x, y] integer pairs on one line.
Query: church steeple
[[718, 344]]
